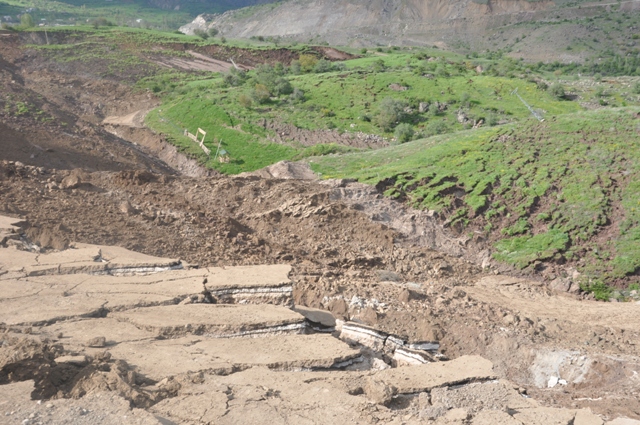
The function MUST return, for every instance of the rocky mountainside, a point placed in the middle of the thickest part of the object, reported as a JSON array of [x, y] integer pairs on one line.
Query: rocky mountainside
[[463, 24], [224, 4]]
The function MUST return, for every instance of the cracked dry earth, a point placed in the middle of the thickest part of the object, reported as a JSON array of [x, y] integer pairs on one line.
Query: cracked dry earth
[[133, 297]]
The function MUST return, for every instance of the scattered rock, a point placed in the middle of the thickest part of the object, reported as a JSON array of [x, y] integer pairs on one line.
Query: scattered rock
[[97, 342], [70, 182], [379, 392]]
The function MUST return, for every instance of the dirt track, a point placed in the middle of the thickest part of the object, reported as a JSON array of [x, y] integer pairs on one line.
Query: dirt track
[[369, 261]]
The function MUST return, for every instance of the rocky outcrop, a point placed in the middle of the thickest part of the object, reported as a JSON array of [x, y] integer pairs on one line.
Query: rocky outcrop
[[410, 22]]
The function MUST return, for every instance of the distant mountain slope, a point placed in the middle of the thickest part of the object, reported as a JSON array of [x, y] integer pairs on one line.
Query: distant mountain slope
[[200, 6], [470, 24]]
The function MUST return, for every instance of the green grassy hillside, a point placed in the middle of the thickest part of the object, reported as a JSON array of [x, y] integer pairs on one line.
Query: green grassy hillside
[[561, 190], [351, 97]]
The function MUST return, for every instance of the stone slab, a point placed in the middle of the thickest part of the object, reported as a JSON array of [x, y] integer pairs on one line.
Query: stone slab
[[260, 396], [545, 416], [214, 320], [17, 408], [414, 379], [9, 224], [623, 421], [254, 284], [159, 359], [53, 305], [76, 334], [83, 258], [316, 315]]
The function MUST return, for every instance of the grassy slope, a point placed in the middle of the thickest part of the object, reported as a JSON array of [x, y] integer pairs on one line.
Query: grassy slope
[[552, 189], [347, 101]]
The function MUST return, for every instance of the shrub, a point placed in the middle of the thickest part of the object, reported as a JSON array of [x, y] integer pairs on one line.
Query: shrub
[[201, 33], [307, 62], [283, 86], [245, 101], [295, 67], [390, 112], [378, 66], [636, 88], [322, 66], [404, 132], [260, 94], [101, 22], [363, 51], [557, 90], [213, 32], [492, 119], [436, 127], [235, 77], [465, 99], [297, 96]]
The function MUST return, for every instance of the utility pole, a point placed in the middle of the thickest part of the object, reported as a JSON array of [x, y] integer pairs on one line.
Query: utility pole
[[534, 113]]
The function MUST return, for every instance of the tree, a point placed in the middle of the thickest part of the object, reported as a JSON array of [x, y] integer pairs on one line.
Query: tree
[[26, 21]]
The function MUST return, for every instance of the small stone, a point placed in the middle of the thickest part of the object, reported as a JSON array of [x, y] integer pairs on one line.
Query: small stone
[[126, 208], [70, 182], [49, 405], [379, 392], [405, 296], [553, 381], [97, 342], [73, 360], [510, 319]]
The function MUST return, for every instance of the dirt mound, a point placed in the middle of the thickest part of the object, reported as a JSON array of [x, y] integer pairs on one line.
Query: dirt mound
[[284, 170]]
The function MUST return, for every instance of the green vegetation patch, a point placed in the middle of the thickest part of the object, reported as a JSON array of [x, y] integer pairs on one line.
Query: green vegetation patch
[[524, 250]]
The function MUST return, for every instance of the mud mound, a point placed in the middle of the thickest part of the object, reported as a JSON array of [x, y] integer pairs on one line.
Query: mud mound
[[284, 170]]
